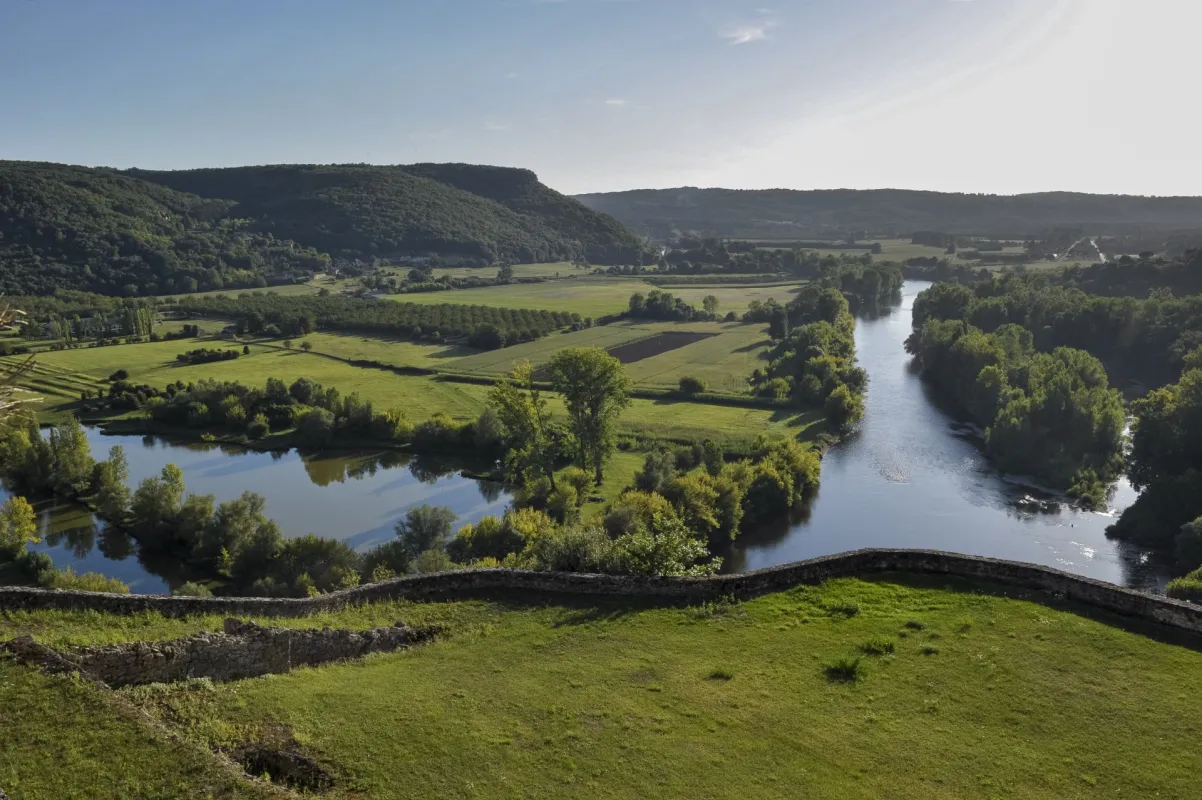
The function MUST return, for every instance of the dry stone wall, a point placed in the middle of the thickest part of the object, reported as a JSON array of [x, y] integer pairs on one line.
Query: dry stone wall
[[243, 650], [474, 581]]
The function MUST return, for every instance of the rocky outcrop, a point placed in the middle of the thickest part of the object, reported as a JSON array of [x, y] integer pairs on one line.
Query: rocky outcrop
[[464, 583], [243, 650]]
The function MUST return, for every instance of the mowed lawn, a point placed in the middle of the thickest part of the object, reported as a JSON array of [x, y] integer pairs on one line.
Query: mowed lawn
[[596, 297], [985, 694]]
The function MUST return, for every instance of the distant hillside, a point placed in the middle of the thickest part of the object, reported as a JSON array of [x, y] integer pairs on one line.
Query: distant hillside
[[784, 213], [66, 227], [141, 232]]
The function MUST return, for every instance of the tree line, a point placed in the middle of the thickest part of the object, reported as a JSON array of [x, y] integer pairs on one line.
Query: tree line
[[272, 314]]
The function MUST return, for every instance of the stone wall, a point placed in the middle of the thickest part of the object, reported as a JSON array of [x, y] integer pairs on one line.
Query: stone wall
[[243, 650], [475, 581]]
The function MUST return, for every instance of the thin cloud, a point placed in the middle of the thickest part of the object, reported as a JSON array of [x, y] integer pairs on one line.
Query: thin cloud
[[495, 126], [616, 102], [746, 34]]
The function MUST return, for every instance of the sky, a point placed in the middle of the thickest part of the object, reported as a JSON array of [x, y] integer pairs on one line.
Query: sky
[[996, 96]]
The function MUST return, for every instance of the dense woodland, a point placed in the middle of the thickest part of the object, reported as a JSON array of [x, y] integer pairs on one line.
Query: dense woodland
[[784, 213], [1144, 340], [141, 233]]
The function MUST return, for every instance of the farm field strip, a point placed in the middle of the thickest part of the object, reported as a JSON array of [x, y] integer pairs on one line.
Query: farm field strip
[[419, 396], [596, 297]]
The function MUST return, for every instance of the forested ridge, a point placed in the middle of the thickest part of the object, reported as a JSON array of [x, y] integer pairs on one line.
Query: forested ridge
[[138, 233], [784, 213]]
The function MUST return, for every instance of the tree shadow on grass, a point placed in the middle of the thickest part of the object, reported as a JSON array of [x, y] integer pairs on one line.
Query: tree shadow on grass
[[747, 348]]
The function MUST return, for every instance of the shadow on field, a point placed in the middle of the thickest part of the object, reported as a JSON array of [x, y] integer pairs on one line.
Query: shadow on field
[[747, 348], [1163, 634], [583, 610]]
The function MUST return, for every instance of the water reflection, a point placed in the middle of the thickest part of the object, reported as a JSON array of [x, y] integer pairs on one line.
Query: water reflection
[[912, 476], [356, 497]]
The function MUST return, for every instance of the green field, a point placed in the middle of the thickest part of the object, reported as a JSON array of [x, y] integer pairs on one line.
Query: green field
[[286, 290], [595, 297], [552, 270], [61, 375], [724, 361], [985, 695]]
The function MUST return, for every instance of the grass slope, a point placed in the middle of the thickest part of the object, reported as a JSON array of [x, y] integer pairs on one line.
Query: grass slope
[[64, 740], [982, 696]]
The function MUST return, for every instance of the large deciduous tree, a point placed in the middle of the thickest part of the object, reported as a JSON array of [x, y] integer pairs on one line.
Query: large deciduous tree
[[596, 390], [523, 412]]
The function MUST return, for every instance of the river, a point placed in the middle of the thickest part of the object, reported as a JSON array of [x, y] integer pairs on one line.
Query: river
[[911, 476]]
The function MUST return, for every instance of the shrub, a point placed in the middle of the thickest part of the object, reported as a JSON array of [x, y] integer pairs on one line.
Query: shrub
[[1187, 545], [88, 582], [193, 589], [878, 647], [439, 432], [316, 427], [34, 565], [563, 505], [487, 337], [119, 375], [691, 385], [659, 467], [573, 549], [579, 479], [488, 538], [846, 669], [258, 427], [714, 457]]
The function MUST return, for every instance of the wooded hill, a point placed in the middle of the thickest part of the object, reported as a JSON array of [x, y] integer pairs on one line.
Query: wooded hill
[[142, 232], [785, 213]]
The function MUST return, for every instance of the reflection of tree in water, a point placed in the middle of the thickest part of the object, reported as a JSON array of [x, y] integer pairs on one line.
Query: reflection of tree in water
[[428, 468], [771, 533], [490, 490], [80, 540], [326, 470], [115, 544], [67, 523]]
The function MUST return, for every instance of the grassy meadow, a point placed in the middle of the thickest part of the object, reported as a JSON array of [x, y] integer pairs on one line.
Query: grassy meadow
[[959, 691], [596, 297], [60, 376]]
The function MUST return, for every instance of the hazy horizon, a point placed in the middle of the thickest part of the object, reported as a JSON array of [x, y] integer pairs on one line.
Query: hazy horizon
[[973, 96]]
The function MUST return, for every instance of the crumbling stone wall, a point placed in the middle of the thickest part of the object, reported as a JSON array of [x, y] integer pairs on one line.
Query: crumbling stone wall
[[243, 650], [474, 581]]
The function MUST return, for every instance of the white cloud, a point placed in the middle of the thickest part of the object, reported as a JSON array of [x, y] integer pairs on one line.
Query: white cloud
[[745, 34], [616, 102]]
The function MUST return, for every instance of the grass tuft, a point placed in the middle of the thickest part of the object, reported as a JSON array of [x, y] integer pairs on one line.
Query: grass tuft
[[878, 646], [844, 669], [720, 675]]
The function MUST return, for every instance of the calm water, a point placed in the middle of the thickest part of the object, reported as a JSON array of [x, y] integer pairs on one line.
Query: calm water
[[913, 477], [357, 499]]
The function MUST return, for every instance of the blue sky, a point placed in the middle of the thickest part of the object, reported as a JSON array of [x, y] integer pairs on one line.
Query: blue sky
[[595, 95]]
